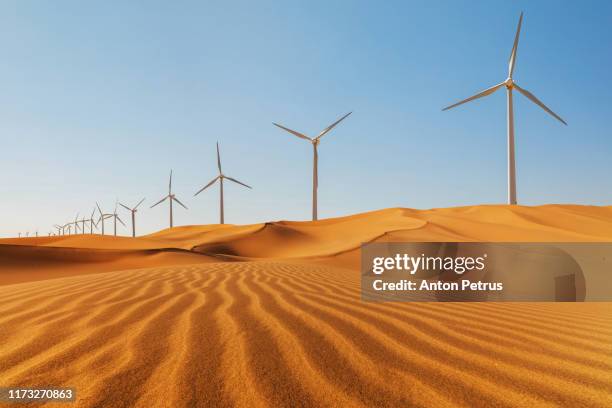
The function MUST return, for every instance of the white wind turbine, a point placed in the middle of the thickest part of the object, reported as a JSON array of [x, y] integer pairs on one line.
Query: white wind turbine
[[220, 177], [76, 224], [510, 85], [133, 212], [92, 222], [116, 218], [102, 218], [315, 143], [171, 197]]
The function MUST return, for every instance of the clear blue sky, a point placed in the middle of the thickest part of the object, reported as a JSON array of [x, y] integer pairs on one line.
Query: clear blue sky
[[100, 100]]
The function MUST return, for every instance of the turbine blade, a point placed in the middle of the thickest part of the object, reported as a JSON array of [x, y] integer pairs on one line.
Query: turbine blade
[[206, 186], [170, 183], [330, 127], [535, 100], [119, 219], [512, 60], [177, 200], [236, 181], [218, 159], [99, 209], [486, 92], [160, 201], [293, 132], [126, 207], [140, 202]]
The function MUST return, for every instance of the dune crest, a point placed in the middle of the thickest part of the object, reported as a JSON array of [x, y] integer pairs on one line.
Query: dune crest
[[333, 241]]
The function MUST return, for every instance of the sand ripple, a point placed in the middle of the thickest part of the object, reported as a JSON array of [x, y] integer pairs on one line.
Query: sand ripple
[[284, 334]]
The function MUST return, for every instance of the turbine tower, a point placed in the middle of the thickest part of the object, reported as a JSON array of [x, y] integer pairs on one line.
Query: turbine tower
[[315, 143], [510, 86], [171, 197], [220, 177], [133, 211]]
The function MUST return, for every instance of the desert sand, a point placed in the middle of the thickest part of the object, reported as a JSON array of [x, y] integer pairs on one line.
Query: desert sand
[[270, 315]]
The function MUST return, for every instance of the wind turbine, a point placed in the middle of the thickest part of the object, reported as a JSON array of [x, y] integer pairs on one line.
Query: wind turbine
[[510, 85], [76, 224], [116, 218], [133, 211], [315, 143], [103, 217], [92, 222], [220, 177], [59, 229], [171, 197]]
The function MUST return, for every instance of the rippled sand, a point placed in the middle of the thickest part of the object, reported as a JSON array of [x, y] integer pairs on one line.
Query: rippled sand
[[224, 328]]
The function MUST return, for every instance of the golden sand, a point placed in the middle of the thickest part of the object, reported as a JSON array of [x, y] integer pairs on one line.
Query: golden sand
[[270, 315]]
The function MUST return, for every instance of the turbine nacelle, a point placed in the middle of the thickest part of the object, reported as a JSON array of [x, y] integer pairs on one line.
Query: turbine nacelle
[[509, 83]]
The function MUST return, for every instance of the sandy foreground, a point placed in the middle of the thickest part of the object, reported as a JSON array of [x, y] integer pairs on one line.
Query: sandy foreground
[[270, 315]]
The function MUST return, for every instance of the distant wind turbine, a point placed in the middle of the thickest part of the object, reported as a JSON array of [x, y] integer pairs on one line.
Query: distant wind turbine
[[116, 218], [92, 222], [510, 85], [220, 177], [315, 143], [171, 197], [59, 229], [102, 218], [133, 211], [76, 224]]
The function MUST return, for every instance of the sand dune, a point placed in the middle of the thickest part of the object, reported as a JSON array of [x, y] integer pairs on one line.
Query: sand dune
[[270, 315], [277, 334]]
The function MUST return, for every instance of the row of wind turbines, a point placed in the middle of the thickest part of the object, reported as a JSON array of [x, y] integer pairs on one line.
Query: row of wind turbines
[[508, 83], [99, 223]]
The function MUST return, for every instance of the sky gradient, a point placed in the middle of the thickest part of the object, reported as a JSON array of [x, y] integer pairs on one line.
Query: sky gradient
[[100, 101]]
